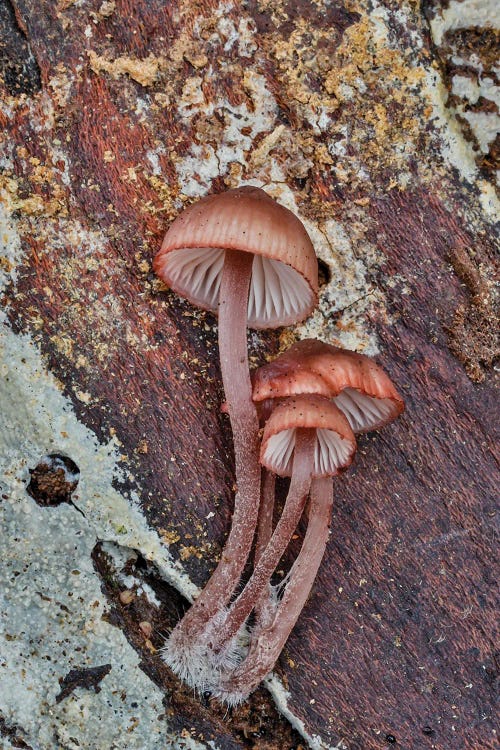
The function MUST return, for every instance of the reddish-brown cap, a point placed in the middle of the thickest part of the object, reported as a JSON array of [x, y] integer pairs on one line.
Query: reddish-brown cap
[[358, 386], [335, 441], [284, 284]]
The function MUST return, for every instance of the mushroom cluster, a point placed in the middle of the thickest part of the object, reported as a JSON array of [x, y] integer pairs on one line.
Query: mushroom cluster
[[244, 256]]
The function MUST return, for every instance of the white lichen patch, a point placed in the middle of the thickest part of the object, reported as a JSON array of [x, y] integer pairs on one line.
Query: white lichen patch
[[32, 398], [281, 697], [461, 14], [52, 604], [455, 149], [10, 243], [341, 315], [51, 601], [446, 131], [485, 125], [470, 89], [475, 94], [61, 85], [241, 124]]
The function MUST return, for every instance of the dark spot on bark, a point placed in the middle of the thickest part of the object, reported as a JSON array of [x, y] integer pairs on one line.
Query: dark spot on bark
[[324, 274], [53, 480], [12, 732], [472, 334], [300, 182], [18, 68]]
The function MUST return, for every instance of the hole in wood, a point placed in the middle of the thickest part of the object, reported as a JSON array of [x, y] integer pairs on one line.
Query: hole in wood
[[53, 480]]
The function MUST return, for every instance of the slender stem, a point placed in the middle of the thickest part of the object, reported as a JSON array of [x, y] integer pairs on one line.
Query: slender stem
[[266, 511], [233, 306], [305, 443], [264, 607], [267, 644]]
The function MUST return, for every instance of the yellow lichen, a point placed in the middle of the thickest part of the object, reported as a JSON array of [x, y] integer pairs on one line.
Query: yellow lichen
[[143, 71], [168, 536]]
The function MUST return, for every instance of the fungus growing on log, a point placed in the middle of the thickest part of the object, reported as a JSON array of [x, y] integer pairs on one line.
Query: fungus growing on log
[[278, 615], [338, 379], [246, 257], [355, 382], [305, 437]]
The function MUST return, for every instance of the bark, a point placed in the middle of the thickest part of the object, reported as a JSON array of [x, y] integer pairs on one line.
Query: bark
[[114, 115]]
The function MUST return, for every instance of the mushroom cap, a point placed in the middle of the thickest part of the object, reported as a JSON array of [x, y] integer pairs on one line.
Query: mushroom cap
[[284, 284], [357, 385], [335, 441]]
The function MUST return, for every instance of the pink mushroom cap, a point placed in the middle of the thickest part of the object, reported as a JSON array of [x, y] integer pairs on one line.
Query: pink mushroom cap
[[335, 441], [284, 282], [355, 382]]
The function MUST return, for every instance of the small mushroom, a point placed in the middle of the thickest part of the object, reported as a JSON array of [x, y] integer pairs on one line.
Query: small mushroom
[[363, 391], [246, 257], [357, 385], [305, 437]]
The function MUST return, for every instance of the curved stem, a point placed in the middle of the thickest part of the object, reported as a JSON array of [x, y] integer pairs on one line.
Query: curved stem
[[267, 644], [305, 443], [233, 307]]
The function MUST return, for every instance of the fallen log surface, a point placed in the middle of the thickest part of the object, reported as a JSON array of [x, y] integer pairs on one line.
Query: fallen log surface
[[114, 116]]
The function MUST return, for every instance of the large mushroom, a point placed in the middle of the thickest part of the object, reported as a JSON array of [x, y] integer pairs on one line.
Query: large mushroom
[[246, 257]]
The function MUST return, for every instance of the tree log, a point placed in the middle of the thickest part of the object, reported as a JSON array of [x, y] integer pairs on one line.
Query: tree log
[[117, 114]]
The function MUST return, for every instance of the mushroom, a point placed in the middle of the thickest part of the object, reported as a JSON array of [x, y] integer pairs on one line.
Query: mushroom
[[309, 438], [246, 257], [363, 391], [305, 437], [357, 385]]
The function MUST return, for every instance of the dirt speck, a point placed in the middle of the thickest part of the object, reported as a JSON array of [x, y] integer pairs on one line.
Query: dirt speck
[[85, 677]]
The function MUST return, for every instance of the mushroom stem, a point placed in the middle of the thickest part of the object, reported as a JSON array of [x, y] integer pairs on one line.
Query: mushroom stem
[[267, 643], [266, 511], [303, 461], [264, 607], [233, 307]]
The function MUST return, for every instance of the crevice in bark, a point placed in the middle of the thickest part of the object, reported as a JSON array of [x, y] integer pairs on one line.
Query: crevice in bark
[[257, 723]]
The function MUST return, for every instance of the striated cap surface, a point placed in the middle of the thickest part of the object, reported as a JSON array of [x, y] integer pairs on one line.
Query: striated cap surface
[[355, 382], [284, 284], [335, 441]]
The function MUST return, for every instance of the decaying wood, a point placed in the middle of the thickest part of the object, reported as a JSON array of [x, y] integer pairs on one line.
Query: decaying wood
[[118, 113]]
